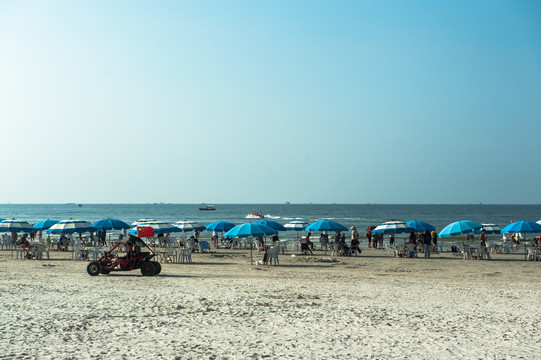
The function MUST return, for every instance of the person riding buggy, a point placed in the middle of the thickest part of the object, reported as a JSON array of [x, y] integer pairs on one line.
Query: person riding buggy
[[135, 258]]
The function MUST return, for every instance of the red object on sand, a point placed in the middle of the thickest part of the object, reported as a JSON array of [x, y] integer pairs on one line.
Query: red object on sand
[[145, 231]]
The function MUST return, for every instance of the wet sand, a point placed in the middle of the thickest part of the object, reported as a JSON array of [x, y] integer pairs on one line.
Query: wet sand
[[310, 307]]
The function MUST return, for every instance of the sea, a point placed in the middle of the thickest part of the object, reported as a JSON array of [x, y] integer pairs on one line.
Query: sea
[[360, 215]]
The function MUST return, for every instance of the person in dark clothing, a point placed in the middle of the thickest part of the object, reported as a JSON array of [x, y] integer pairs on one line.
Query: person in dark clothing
[[427, 243]]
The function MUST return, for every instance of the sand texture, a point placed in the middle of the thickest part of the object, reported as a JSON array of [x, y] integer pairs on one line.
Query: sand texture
[[309, 307]]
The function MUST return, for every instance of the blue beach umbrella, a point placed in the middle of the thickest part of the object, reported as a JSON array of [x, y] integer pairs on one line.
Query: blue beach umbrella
[[44, 224], [111, 224], [326, 225], [272, 224], [393, 227], [420, 226], [459, 227], [12, 225], [519, 227], [70, 226], [249, 229], [220, 226]]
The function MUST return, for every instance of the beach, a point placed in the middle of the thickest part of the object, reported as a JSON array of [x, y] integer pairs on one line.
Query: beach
[[310, 307]]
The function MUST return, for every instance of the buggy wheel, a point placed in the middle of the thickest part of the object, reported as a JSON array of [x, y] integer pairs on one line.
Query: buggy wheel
[[148, 268], [158, 267], [94, 268]]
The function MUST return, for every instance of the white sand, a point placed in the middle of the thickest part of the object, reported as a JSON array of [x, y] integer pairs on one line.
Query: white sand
[[220, 307]]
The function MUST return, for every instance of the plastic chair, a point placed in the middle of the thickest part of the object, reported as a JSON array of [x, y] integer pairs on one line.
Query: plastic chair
[[204, 245]]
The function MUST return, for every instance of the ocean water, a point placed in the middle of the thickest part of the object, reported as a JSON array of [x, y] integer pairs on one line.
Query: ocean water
[[360, 215]]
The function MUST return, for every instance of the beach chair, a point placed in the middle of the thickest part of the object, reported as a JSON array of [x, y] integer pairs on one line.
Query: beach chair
[[169, 255], [390, 250], [335, 249], [186, 254], [38, 251], [77, 252], [273, 254], [204, 246], [484, 253], [530, 254], [283, 246]]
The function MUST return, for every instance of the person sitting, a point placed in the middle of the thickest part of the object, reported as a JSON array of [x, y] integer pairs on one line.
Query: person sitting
[[306, 244]]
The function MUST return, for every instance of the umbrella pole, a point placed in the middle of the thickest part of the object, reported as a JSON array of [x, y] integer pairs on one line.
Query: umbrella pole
[[251, 256]]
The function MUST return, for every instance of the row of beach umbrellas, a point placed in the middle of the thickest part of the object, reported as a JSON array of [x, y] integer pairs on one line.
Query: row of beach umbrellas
[[260, 228]]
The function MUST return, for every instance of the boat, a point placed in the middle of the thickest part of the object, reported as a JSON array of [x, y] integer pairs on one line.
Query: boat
[[255, 215], [207, 207]]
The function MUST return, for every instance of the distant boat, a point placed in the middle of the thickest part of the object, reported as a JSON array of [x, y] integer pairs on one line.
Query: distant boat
[[207, 207], [255, 215]]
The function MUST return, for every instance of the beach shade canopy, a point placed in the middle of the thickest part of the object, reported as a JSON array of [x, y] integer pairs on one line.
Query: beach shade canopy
[[187, 226], [220, 226], [393, 227], [489, 229], [420, 226], [161, 227], [12, 225], [297, 225], [326, 225], [249, 229], [460, 227], [70, 226], [111, 224], [272, 224], [45, 224], [519, 227], [135, 223]]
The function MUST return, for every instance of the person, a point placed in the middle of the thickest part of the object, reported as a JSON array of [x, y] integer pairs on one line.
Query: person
[[427, 242], [369, 236], [483, 247], [323, 241], [343, 245], [391, 239], [483, 237], [434, 236], [306, 244], [355, 243], [412, 241]]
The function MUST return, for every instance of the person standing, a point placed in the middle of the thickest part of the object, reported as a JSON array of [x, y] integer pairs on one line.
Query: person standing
[[391, 239], [434, 236], [412, 245], [355, 243], [369, 236], [427, 243]]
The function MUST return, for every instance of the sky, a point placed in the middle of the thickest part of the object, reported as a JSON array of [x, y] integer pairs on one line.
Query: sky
[[270, 101]]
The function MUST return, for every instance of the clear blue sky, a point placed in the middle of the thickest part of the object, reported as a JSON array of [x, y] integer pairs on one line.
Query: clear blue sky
[[270, 101]]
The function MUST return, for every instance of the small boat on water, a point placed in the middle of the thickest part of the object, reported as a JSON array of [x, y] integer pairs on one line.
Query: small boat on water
[[207, 207], [255, 215]]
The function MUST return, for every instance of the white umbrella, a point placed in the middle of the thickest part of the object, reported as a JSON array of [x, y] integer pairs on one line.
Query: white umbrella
[[296, 225], [393, 227]]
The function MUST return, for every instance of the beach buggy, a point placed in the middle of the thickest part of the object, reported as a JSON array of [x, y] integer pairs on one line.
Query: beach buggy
[[135, 258]]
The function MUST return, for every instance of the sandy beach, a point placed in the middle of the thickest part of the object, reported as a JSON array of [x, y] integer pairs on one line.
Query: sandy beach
[[309, 307]]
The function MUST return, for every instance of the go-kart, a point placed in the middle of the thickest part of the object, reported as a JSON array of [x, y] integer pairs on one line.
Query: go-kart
[[134, 259]]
